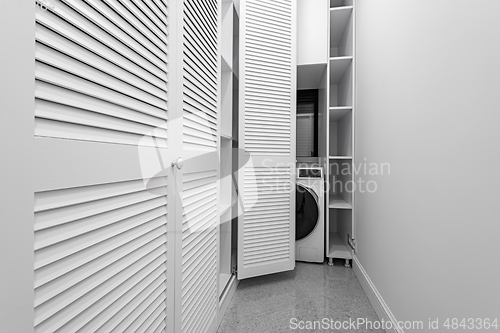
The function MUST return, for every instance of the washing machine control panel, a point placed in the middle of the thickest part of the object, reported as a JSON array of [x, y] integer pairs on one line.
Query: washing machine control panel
[[309, 173]]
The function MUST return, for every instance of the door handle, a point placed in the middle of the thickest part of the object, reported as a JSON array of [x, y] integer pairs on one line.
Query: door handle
[[179, 163]]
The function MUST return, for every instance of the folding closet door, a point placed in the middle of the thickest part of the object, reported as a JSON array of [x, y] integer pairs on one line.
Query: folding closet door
[[104, 191], [266, 232], [198, 75]]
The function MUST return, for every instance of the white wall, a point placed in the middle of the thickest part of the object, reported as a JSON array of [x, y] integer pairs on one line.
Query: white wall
[[312, 32], [17, 79], [428, 103]]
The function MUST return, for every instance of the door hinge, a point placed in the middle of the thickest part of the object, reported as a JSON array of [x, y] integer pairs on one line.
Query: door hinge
[[234, 270], [352, 242]]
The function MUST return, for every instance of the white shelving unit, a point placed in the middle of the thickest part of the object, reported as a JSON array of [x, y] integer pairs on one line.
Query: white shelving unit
[[340, 131], [228, 141]]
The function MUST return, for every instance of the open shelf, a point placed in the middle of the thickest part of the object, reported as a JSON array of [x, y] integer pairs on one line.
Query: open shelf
[[339, 228], [227, 104], [235, 115], [341, 31], [337, 248], [338, 67], [227, 34], [341, 87], [340, 135], [236, 40], [340, 3], [340, 182], [336, 202], [340, 157], [338, 112], [226, 169]]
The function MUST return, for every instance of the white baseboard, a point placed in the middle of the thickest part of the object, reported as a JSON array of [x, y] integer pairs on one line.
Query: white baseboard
[[374, 296]]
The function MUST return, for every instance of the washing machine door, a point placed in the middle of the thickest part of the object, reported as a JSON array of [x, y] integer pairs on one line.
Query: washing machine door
[[307, 214]]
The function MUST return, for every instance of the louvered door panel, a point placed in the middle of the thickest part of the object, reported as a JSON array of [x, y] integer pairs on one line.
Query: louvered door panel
[[268, 74], [101, 74], [102, 194], [266, 238], [199, 50], [267, 223], [99, 253], [200, 74], [199, 250]]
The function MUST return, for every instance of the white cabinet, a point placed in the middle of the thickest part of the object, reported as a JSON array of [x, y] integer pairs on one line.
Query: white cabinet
[[104, 212], [126, 233]]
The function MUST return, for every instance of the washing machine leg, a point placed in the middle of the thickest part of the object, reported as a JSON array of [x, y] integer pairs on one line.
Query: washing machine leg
[[330, 261], [347, 264]]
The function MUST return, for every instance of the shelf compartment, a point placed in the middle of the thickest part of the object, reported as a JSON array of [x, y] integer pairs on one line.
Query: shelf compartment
[[341, 82], [338, 228], [235, 113], [337, 248], [226, 127], [227, 34], [341, 31], [340, 3], [226, 169], [340, 182], [338, 67], [341, 135], [336, 202], [236, 40]]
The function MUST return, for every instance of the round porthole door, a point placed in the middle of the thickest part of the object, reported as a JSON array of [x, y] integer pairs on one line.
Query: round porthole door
[[307, 212]]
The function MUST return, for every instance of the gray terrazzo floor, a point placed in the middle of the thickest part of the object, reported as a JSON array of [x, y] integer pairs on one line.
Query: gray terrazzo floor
[[311, 292]]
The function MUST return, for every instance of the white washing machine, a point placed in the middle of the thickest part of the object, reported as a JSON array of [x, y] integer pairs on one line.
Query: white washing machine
[[309, 218]]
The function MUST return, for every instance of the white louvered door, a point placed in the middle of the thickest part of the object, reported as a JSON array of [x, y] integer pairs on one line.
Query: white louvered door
[[266, 232], [196, 273], [104, 189]]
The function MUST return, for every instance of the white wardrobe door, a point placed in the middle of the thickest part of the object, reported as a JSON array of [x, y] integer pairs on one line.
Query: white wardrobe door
[[266, 235], [101, 137], [197, 302]]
